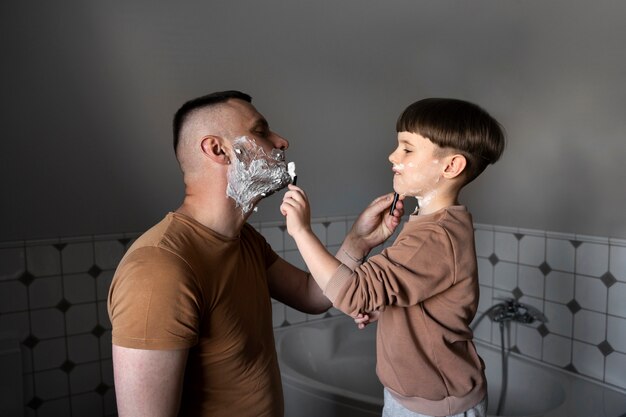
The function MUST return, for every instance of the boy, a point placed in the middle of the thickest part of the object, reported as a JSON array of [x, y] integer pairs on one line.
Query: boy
[[425, 285]]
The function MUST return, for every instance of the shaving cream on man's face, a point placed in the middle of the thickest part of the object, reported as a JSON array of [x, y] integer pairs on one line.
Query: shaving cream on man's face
[[253, 174]]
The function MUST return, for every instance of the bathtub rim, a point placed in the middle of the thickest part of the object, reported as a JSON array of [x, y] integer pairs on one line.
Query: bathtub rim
[[303, 381]]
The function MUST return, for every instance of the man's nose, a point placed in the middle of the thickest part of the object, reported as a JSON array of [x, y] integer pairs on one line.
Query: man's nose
[[279, 141]]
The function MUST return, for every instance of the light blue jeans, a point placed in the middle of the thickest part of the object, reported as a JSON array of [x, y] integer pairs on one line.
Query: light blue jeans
[[393, 408]]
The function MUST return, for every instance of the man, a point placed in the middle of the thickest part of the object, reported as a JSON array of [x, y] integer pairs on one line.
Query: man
[[190, 301]]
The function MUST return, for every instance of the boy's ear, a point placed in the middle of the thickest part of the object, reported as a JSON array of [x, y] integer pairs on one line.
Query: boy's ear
[[213, 148], [455, 165]]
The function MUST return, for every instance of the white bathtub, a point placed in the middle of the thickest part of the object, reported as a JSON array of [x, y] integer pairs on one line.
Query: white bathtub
[[328, 369]]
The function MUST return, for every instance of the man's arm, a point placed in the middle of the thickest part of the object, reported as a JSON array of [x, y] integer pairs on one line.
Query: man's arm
[[296, 288], [148, 382]]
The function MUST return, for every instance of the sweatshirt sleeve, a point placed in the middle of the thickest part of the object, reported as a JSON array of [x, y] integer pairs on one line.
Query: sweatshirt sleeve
[[416, 267]]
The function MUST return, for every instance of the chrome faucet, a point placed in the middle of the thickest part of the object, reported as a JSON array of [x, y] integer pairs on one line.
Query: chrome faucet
[[512, 310]]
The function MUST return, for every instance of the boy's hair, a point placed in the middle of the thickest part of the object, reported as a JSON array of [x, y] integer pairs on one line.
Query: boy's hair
[[459, 125], [204, 101]]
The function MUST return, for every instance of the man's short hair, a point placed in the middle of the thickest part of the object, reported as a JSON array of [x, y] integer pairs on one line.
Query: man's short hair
[[201, 102], [459, 125]]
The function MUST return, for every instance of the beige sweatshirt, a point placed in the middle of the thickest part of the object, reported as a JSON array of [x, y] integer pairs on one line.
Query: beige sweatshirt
[[427, 283]]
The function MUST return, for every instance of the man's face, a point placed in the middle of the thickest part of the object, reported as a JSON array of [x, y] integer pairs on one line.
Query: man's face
[[258, 166]]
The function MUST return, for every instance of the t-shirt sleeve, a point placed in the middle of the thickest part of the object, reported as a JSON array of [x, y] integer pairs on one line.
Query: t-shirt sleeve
[[416, 267], [154, 301]]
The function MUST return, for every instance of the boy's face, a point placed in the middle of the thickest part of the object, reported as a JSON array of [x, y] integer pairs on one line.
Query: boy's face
[[416, 165]]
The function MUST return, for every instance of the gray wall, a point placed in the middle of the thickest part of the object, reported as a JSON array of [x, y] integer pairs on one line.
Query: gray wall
[[89, 88]]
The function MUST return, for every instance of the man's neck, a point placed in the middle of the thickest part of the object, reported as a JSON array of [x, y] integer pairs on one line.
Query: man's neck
[[218, 213]]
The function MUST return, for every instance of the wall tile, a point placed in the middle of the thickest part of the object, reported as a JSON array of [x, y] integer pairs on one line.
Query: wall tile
[[560, 255], [531, 281], [617, 264], [15, 324], [49, 354], [336, 232], [616, 333], [88, 404], [591, 293], [529, 341], [45, 292], [51, 384], [559, 287], [616, 369], [532, 250], [43, 260], [85, 377], [81, 318], [13, 263], [482, 328], [505, 276], [103, 282], [589, 326], [108, 254], [485, 272], [617, 295], [13, 296], [560, 319], [484, 242], [79, 288], [83, 348], [78, 257], [588, 360], [506, 246], [294, 258], [485, 300], [319, 230], [47, 323], [274, 236], [592, 259], [55, 408], [557, 350]]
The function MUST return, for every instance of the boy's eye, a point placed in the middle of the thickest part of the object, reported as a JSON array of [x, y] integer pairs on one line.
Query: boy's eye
[[406, 150]]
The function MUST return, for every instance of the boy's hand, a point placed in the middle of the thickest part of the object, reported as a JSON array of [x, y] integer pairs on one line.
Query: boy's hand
[[375, 225], [363, 320], [296, 209]]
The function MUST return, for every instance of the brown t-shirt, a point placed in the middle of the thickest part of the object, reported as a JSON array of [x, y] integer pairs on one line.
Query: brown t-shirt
[[183, 286], [427, 283]]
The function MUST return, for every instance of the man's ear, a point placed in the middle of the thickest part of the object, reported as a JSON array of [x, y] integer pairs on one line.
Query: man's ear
[[212, 147], [455, 165]]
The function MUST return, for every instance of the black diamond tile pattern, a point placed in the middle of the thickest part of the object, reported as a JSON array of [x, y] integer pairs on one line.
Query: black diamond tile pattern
[[493, 259], [67, 366], [35, 403], [98, 331], [543, 330], [518, 236], [517, 293], [606, 348], [26, 278], [545, 268], [31, 341], [94, 271], [102, 388], [573, 306], [571, 368], [514, 349], [60, 246], [63, 305], [576, 243], [608, 279]]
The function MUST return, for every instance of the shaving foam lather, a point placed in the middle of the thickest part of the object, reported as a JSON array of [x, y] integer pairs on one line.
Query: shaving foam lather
[[393, 205], [291, 169]]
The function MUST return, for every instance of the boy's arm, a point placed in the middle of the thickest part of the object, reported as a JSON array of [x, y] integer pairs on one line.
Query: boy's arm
[[321, 263]]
